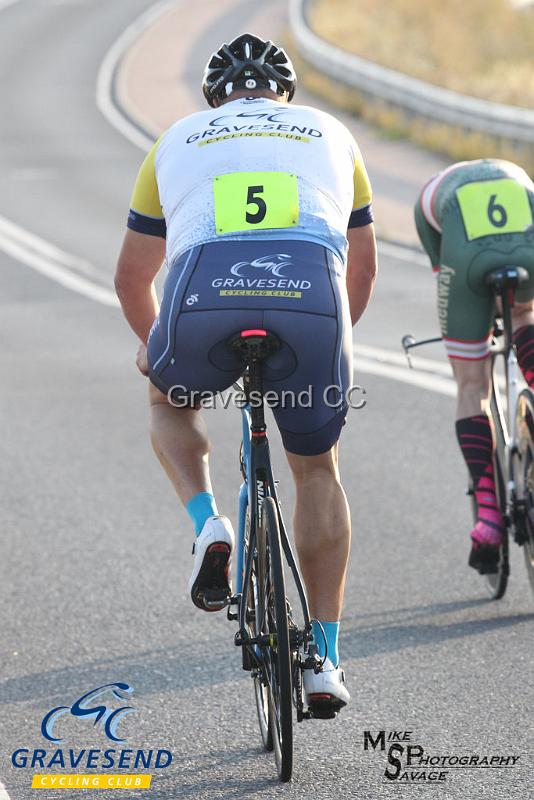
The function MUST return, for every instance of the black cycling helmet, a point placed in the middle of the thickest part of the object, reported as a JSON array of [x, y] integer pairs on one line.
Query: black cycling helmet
[[248, 62]]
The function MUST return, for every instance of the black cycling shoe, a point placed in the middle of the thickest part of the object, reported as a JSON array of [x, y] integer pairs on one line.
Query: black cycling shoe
[[484, 558]]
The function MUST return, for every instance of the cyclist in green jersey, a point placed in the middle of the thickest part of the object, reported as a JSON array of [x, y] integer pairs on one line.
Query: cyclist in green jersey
[[472, 218]]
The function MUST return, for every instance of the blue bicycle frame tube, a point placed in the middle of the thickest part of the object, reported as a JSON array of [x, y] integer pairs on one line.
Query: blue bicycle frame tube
[[243, 500]]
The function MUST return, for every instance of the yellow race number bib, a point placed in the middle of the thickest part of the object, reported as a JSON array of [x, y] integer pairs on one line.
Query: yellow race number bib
[[493, 207], [252, 200]]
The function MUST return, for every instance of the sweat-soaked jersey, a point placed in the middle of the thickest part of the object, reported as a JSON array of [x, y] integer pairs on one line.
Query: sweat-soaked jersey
[[253, 167]]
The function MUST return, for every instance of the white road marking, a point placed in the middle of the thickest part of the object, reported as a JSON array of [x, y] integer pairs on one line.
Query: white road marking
[[33, 174], [423, 380], [410, 254], [5, 4], [70, 271], [442, 368], [106, 76], [3, 792], [436, 376]]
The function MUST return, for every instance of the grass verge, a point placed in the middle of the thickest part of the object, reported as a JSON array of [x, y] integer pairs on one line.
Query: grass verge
[[456, 143], [478, 47]]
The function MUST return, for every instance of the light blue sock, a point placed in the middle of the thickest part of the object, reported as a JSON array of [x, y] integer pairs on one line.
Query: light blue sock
[[331, 631], [199, 508]]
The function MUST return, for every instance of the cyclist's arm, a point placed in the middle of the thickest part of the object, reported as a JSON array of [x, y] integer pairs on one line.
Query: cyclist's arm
[[361, 268], [142, 252], [361, 262], [139, 262]]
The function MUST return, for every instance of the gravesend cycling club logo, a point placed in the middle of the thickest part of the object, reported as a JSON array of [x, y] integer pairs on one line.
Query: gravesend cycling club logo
[[273, 264], [282, 124], [408, 762], [107, 717], [102, 709], [249, 279]]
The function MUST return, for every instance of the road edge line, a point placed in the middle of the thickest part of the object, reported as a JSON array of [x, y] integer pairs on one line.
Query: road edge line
[[107, 96], [4, 795]]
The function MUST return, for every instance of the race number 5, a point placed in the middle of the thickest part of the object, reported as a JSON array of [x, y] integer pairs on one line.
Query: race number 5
[[494, 207], [253, 197], [253, 200]]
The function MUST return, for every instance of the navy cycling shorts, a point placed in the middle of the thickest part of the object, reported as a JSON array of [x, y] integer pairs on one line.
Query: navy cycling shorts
[[293, 288]]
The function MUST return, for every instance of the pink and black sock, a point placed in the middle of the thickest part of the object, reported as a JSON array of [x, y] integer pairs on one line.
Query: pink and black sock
[[476, 442], [524, 343]]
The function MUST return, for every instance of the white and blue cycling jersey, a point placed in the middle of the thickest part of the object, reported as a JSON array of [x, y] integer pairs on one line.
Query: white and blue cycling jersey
[[212, 175]]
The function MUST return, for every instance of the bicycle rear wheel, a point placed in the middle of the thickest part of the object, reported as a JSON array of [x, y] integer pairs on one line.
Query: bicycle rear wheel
[[273, 621], [253, 616], [496, 582], [524, 474]]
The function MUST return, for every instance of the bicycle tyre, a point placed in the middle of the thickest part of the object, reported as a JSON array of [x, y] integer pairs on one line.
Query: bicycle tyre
[[261, 693], [497, 582], [524, 473], [274, 621]]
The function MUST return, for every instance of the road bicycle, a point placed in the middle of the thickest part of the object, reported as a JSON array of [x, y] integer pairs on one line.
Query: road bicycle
[[275, 648], [512, 412]]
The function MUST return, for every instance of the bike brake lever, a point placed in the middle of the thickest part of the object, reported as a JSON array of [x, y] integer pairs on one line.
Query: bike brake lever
[[407, 342]]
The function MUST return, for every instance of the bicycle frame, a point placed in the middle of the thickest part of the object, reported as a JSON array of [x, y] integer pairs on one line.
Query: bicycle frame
[[506, 415], [259, 483]]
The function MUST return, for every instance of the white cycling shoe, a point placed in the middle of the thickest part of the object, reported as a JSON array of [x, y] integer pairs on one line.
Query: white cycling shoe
[[210, 583], [325, 691]]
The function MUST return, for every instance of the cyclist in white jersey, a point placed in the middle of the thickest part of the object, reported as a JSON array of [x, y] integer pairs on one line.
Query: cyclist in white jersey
[[252, 203]]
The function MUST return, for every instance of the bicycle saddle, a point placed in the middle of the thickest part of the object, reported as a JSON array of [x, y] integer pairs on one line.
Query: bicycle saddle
[[506, 278], [255, 344]]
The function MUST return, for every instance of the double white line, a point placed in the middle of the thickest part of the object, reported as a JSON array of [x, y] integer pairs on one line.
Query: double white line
[[70, 271], [435, 376]]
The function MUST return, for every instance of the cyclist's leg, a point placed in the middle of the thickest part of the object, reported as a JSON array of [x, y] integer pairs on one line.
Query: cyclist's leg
[[189, 361], [523, 313], [321, 375], [322, 532], [523, 327], [178, 361], [466, 309], [180, 440], [473, 381]]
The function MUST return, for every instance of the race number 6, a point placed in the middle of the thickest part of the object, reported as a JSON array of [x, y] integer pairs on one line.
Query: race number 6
[[492, 208], [496, 213]]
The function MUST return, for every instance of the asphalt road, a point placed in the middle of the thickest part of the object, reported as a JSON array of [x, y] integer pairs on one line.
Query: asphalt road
[[96, 551]]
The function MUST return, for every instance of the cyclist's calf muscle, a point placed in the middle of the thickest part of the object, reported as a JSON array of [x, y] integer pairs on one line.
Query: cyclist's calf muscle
[[180, 440], [473, 379], [522, 314]]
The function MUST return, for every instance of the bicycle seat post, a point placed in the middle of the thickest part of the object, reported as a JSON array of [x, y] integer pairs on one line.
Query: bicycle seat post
[[504, 282], [507, 301], [254, 346], [255, 397]]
